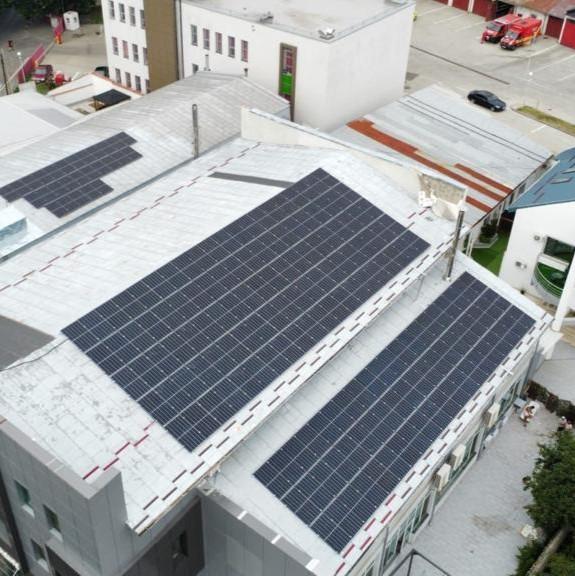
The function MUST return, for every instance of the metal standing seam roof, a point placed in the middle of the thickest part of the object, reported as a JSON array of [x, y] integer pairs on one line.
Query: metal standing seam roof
[[71, 407], [161, 125], [435, 128], [556, 186], [236, 481]]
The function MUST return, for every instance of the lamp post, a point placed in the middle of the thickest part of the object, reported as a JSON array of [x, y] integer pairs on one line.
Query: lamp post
[[21, 73]]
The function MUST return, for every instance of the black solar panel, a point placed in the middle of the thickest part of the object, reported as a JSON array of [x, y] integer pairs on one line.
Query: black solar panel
[[196, 340], [342, 465], [74, 181]]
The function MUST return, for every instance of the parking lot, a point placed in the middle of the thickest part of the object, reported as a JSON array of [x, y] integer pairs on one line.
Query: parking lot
[[447, 48]]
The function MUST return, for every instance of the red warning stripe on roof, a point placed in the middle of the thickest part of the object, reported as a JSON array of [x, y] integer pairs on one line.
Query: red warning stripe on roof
[[367, 128]]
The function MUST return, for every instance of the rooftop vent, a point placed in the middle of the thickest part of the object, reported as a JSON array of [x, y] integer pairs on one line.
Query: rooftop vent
[[326, 33], [267, 17]]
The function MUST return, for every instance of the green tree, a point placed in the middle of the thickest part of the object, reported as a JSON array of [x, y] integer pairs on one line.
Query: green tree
[[526, 557], [552, 485], [561, 565]]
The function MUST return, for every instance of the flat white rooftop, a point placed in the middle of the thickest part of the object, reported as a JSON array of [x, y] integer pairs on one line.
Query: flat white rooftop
[[306, 17]]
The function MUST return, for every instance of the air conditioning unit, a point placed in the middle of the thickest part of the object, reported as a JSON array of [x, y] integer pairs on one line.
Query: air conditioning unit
[[492, 414], [457, 456], [442, 477]]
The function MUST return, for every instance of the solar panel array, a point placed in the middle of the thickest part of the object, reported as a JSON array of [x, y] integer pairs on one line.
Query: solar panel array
[[74, 181], [199, 338], [344, 462]]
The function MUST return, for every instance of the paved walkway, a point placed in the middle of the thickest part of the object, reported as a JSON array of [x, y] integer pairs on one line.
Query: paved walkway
[[477, 530], [558, 373]]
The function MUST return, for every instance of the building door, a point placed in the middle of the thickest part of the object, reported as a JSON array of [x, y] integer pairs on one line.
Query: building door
[[287, 79], [461, 4], [502, 8], [554, 26], [485, 8], [568, 38]]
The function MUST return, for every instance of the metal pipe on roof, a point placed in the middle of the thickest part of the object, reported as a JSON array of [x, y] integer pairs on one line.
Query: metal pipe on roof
[[456, 237], [196, 130]]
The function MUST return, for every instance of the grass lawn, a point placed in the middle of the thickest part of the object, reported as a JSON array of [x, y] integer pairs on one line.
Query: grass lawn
[[548, 119], [491, 258]]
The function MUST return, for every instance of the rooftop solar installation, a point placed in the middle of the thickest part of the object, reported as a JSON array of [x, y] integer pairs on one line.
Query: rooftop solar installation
[[199, 338], [344, 462], [74, 181]]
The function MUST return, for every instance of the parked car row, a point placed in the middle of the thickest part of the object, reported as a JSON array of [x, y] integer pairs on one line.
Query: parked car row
[[512, 30]]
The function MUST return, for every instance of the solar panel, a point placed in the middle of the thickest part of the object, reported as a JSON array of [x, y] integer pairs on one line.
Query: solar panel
[[74, 181], [197, 339], [344, 462]]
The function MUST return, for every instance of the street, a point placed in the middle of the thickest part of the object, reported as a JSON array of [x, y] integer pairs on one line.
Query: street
[[446, 49]]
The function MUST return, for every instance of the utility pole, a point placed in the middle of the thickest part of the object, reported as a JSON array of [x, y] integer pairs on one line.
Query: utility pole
[[4, 76]]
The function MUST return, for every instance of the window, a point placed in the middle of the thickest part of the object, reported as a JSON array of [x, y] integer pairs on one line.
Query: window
[[122, 12], [145, 55], [53, 520], [125, 49], [206, 34], [219, 42], [118, 76], [244, 50], [115, 45], [112, 10], [369, 572], [231, 47], [180, 547], [39, 554], [138, 81], [194, 33], [24, 497], [132, 16], [135, 53], [142, 20], [558, 249], [128, 80]]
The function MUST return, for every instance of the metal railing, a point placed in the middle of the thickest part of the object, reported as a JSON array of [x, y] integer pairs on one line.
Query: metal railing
[[545, 283]]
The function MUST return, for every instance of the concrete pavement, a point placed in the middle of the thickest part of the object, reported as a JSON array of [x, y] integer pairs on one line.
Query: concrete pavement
[[446, 48], [477, 529], [558, 373]]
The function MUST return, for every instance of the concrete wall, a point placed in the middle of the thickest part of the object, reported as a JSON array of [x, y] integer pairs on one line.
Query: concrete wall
[[235, 549], [132, 34], [94, 538], [161, 32], [554, 220], [335, 81]]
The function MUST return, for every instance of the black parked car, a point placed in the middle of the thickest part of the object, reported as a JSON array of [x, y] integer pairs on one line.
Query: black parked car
[[487, 100]]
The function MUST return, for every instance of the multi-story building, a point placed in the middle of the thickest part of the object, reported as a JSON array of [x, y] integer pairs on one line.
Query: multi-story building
[[332, 60], [541, 249], [260, 363], [126, 45]]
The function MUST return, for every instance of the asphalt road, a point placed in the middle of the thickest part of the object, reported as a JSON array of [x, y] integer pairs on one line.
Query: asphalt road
[[446, 49]]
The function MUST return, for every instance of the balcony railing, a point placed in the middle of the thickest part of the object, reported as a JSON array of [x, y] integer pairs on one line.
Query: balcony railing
[[545, 276]]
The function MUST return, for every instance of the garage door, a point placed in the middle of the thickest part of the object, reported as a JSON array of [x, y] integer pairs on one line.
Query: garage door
[[483, 8], [568, 38], [554, 26], [461, 4]]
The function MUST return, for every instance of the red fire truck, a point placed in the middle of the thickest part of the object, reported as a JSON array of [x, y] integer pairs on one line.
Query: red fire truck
[[497, 28], [521, 33]]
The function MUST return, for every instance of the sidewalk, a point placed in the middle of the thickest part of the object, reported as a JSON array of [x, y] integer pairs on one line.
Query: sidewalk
[[477, 530], [558, 373]]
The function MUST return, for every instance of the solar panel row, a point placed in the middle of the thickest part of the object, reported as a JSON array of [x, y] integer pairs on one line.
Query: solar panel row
[[342, 465], [199, 338], [73, 182]]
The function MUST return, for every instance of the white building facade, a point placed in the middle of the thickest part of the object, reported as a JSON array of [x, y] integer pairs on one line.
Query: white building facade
[[330, 73], [332, 61], [541, 248], [126, 46]]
